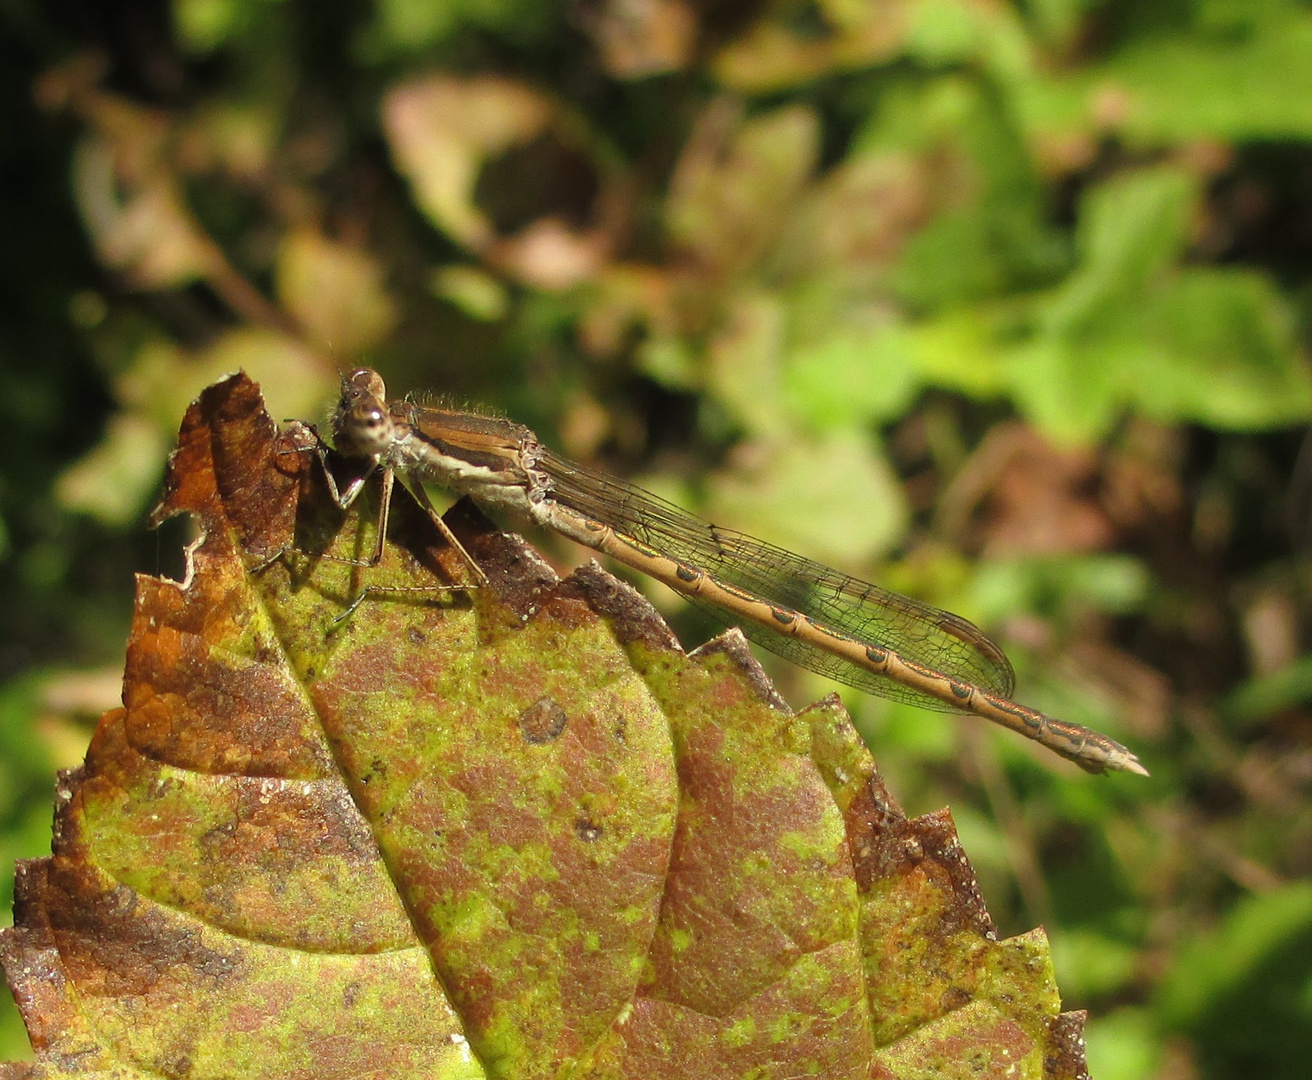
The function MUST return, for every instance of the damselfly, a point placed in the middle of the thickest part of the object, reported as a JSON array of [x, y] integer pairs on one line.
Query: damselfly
[[839, 626]]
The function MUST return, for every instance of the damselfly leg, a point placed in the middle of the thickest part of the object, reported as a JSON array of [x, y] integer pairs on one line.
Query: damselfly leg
[[345, 497]]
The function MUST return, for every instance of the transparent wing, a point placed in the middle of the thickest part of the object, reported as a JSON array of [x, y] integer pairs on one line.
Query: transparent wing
[[841, 603]]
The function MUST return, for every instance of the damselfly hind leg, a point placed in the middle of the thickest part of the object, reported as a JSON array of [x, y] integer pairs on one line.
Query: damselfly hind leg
[[345, 498], [384, 511]]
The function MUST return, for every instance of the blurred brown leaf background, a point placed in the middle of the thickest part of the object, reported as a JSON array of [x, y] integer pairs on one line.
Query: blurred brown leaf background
[[1003, 305]]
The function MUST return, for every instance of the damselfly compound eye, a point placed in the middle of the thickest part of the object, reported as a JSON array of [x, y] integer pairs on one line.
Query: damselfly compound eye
[[365, 382]]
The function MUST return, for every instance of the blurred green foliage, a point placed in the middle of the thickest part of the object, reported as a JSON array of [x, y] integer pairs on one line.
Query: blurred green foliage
[[1004, 305]]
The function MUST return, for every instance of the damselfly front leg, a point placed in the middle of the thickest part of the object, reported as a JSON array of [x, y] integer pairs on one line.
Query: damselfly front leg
[[345, 498]]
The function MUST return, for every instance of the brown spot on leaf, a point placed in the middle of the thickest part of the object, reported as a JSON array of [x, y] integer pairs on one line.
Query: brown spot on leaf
[[542, 722], [587, 831]]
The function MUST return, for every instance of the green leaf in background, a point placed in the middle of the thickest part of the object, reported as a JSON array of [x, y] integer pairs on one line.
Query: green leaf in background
[[1208, 346], [404, 26], [790, 490], [1095, 962], [850, 376], [1260, 697], [115, 480], [335, 292], [1130, 230], [1129, 330], [989, 232], [958, 351], [1249, 982], [205, 25], [734, 177], [475, 292], [742, 370], [1116, 584], [948, 31], [1125, 1046], [1240, 72]]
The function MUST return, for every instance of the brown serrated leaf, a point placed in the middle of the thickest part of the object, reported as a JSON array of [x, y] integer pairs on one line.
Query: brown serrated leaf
[[509, 832]]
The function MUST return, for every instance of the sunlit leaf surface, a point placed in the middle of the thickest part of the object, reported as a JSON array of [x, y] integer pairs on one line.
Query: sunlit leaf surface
[[509, 832]]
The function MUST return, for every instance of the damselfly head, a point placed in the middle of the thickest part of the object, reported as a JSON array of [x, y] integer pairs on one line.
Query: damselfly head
[[364, 382], [362, 424]]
